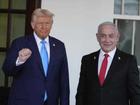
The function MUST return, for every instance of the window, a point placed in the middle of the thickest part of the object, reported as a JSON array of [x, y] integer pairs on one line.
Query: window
[[126, 7], [14, 22], [127, 18]]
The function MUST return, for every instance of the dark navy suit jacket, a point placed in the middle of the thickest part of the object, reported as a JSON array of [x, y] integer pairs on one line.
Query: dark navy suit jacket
[[29, 81], [121, 85]]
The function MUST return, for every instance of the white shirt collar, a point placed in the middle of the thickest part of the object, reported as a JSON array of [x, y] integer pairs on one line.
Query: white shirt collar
[[111, 53], [38, 40]]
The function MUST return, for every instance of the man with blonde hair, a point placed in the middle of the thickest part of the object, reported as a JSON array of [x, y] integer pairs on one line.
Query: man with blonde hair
[[38, 65]]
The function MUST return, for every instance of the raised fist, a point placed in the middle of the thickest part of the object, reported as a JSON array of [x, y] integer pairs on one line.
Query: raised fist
[[24, 54]]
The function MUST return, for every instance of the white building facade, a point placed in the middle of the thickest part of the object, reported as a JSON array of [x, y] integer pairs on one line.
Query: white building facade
[[76, 21]]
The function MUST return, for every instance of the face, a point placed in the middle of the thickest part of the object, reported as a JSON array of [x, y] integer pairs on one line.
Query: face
[[42, 26], [108, 38]]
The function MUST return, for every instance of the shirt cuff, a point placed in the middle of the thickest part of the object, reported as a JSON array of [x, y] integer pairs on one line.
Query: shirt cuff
[[18, 62]]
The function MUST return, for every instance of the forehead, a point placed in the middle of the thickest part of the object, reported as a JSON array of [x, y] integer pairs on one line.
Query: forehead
[[42, 19], [107, 29]]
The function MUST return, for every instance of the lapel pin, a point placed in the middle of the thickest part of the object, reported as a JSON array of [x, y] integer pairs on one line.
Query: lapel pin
[[94, 57], [119, 58], [54, 45]]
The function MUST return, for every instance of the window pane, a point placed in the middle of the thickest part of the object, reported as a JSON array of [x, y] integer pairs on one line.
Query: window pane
[[17, 26], [126, 29], [19, 4], [117, 6], [4, 4], [2, 56], [137, 42], [3, 30], [131, 7]]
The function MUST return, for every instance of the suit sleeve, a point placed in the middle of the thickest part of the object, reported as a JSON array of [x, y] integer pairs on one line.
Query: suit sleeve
[[9, 65], [134, 83]]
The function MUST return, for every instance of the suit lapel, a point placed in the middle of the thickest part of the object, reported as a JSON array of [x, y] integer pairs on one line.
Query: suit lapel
[[35, 52], [96, 57], [53, 46], [93, 66], [114, 65]]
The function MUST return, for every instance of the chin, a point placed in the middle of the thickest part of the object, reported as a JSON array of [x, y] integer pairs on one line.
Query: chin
[[107, 50]]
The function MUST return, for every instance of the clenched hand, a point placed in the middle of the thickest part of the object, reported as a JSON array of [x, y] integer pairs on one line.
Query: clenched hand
[[24, 54]]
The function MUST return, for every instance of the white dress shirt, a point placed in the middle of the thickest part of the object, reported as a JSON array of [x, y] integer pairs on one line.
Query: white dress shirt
[[110, 58], [38, 41]]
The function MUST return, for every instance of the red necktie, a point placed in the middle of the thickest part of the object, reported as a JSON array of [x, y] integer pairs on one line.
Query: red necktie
[[103, 69]]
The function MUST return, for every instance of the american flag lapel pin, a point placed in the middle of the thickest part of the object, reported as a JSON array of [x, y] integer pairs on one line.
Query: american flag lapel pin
[[53, 44], [94, 57]]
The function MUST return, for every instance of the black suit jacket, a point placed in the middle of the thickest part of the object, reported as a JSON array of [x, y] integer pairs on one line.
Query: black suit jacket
[[29, 82], [121, 85]]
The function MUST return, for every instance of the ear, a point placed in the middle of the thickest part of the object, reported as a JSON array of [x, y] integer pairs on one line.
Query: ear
[[118, 36], [32, 25], [97, 36]]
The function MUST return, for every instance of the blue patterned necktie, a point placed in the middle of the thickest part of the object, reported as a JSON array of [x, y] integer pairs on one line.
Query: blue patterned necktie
[[44, 56]]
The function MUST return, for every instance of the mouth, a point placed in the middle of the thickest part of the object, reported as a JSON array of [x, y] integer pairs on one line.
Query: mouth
[[107, 44]]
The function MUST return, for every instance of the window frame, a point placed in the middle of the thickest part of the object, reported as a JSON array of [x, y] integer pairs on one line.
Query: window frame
[[124, 16], [30, 6]]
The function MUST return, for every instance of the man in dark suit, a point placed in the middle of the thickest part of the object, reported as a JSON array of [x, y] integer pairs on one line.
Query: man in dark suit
[[31, 84], [114, 82]]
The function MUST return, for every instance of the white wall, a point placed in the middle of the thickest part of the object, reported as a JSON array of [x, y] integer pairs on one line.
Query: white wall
[[75, 23]]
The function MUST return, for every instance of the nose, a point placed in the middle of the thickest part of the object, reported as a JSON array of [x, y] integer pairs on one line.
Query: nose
[[43, 26], [106, 38]]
